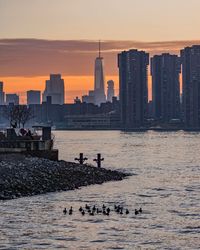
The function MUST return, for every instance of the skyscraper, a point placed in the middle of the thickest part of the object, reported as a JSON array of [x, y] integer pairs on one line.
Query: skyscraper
[[55, 88], [133, 87], [190, 58], [99, 92], [33, 97], [2, 94], [110, 90], [165, 70], [12, 98]]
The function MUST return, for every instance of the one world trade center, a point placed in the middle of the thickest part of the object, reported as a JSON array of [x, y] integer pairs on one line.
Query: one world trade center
[[99, 91]]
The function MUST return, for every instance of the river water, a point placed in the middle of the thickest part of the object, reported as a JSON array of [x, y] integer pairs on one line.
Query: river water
[[166, 184]]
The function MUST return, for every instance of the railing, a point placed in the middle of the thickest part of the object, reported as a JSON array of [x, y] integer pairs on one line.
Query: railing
[[26, 145]]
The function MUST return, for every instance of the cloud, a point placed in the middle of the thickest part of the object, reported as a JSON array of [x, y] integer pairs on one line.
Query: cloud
[[35, 57]]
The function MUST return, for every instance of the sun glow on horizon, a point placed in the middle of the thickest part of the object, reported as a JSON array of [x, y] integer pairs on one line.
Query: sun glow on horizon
[[74, 85]]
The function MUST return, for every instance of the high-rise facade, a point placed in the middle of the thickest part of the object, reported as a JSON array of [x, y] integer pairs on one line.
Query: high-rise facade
[[88, 98], [165, 70], [33, 97], [133, 89], [55, 88], [99, 91], [2, 94], [190, 58], [110, 90], [12, 98]]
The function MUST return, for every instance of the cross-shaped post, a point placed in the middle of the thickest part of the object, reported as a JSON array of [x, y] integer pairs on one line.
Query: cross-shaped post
[[81, 159], [98, 160]]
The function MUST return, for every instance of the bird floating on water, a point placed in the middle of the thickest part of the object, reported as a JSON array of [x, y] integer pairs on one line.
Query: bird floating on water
[[136, 212], [70, 211], [94, 210], [86, 206]]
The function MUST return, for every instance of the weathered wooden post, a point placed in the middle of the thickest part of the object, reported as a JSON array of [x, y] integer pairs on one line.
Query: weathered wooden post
[[99, 160], [81, 159]]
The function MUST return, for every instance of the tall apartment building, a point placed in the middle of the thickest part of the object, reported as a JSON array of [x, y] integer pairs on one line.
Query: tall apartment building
[[133, 89], [165, 70], [190, 58]]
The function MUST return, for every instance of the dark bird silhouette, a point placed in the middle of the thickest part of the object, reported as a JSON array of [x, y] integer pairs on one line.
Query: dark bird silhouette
[[136, 212], [104, 212], [94, 208], [118, 209], [80, 209], [91, 213], [140, 210], [87, 207], [64, 210], [127, 211], [83, 212], [70, 211], [108, 210], [104, 207], [121, 211], [99, 211]]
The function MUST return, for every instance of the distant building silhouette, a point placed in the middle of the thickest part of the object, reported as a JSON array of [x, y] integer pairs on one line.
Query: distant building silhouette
[[110, 90], [77, 100], [12, 98], [133, 87], [190, 57], [88, 98], [1, 86], [99, 91], [55, 88], [33, 97], [165, 70], [2, 94], [150, 109]]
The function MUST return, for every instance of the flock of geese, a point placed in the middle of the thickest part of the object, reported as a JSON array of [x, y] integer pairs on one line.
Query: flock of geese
[[92, 210]]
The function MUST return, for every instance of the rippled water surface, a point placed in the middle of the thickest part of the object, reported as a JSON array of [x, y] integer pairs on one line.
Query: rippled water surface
[[166, 184]]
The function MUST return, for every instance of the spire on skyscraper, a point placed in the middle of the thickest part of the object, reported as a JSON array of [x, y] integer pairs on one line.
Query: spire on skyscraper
[[99, 48], [99, 93]]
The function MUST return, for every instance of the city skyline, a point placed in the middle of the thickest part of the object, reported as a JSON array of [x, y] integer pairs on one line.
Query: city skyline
[[76, 83], [33, 48], [99, 124]]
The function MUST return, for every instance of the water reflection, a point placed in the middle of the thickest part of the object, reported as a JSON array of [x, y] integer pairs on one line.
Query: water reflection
[[165, 184]]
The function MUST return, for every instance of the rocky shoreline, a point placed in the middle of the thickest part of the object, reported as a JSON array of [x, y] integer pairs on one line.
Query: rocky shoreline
[[22, 175]]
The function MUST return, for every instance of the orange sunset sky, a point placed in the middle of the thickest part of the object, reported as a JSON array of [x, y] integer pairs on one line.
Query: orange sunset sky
[[74, 85], [60, 36]]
